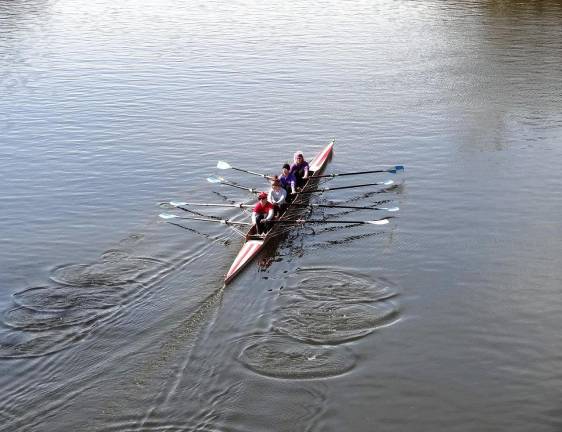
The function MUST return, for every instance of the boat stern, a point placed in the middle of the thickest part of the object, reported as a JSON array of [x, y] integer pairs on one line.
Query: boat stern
[[249, 250]]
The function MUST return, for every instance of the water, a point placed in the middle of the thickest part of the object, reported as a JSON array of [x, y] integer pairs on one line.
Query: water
[[446, 319]]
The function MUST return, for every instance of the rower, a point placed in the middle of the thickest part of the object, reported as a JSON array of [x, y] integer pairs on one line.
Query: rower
[[277, 196], [300, 168], [288, 180], [262, 214]]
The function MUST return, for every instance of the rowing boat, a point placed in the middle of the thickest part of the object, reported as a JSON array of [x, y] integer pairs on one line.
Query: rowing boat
[[253, 243]]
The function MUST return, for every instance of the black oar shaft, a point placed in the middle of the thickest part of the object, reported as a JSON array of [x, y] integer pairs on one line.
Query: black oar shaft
[[355, 173], [248, 171], [303, 221], [342, 187], [336, 206]]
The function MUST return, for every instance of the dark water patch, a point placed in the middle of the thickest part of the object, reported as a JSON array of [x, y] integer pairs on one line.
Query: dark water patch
[[110, 271], [370, 194], [18, 344], [345, 240], [132, 239], [280, 357], [46, 319], [23, 318], [164, 424], [53, 298], [331, 322], [323, 284]]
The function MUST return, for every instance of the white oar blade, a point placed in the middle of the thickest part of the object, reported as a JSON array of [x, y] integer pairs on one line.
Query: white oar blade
[[167, 216], [393, 209], [178, 203], [223, 165], [214, 179], [388, 182], [378, 222]]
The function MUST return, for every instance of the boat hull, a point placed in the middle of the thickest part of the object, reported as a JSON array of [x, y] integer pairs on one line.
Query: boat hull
[[252, 245]]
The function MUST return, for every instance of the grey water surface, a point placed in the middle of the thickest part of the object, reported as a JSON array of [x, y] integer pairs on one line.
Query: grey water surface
[[447, 319]]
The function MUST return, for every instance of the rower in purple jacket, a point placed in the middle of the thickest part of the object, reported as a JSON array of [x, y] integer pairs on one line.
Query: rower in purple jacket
[[288, 180], [300, 168]]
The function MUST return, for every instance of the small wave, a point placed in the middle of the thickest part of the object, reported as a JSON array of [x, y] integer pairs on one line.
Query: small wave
[[23, 318], [49, 298], [112, 270], [15, 344], [331, 322], [279, 357], [325, 284]]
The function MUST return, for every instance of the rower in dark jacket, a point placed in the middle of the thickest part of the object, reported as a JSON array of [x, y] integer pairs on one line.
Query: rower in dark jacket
[[300, 169]]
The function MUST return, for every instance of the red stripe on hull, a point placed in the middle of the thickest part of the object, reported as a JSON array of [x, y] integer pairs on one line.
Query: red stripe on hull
[[319, 161]]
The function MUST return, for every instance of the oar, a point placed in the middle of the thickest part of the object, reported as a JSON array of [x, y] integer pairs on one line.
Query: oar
[[226, 182], [383, 221], [225, 165], [385, 183], [391, 170], [167, 216], [180, 204]]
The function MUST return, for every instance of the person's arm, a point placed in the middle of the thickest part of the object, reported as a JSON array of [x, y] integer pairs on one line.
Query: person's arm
[[281, 200], [269, 214], [305, 172], [293, 186], [253, 218], [270, 197]]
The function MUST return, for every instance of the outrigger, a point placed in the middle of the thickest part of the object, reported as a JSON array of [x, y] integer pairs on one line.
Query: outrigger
[[254, 243]]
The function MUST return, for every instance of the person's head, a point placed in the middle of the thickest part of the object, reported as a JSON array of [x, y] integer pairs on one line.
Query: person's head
[[286, 168], [275, 185], [298, 157], [262, 196]]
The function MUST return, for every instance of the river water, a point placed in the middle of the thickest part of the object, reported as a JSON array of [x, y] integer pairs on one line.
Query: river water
[[446, 319]]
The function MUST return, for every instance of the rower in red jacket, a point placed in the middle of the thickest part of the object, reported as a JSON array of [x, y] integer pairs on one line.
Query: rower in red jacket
[[262, 214]]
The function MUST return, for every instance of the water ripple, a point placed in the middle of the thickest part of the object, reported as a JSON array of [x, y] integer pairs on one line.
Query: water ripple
[[280, 357]]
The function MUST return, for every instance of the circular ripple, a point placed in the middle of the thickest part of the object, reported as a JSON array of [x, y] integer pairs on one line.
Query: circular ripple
[[285, 358], [115, 255], [26, 344], [23, 318], [332, 323], [62, 297], [109, 272], [326, 285]]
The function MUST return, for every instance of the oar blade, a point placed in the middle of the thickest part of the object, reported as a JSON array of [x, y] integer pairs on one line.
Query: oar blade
[[392, 209], [396, 169], [223, 165], [215, 179], [177, 203], [167, 216], [378, 222], [388, 182]]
